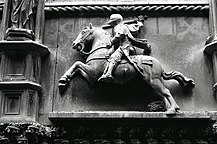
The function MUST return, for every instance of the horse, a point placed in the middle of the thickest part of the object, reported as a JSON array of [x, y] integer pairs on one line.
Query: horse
[[91, 42]]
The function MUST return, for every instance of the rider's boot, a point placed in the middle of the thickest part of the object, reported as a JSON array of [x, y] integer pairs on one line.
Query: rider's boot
[[108, 72]]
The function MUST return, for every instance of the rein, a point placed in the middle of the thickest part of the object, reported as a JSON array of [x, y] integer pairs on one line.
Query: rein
[[97, 58], [92, 51]]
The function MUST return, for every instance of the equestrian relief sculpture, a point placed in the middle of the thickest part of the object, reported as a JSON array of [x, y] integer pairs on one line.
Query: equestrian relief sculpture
[[105, 52]]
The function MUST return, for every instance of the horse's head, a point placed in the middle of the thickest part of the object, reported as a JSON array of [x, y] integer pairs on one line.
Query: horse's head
[[90, 39], [84, 37]]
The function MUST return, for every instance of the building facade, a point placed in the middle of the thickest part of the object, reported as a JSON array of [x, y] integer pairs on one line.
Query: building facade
[[36, 50]]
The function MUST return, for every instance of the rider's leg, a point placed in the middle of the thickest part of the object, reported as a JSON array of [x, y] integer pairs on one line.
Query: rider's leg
[[108, 70], [113, 60]]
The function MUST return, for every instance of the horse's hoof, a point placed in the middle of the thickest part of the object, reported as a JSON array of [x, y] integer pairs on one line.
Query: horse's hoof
[[63, 80], [62, 88], [171, 112], [62, 85], [177, 109]]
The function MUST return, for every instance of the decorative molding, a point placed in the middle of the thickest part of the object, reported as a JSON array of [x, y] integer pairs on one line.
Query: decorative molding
[[30, 46], [190, 115], [210, 48], [155, 8], [99, 132], [20, 84], [122, 2], [150, 10]]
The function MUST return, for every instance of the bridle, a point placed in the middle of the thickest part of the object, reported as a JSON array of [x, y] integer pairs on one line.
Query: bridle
[[82, 42], [92, 51]]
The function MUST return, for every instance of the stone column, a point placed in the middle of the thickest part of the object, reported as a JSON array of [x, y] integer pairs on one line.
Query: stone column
[[211, 43], [21, 52]]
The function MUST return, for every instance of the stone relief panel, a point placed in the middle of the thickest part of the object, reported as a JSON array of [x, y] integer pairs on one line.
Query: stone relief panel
[[108, 59], [174, 50]]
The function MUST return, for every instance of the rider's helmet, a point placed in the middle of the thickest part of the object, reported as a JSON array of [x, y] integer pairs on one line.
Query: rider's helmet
[[115, 18]]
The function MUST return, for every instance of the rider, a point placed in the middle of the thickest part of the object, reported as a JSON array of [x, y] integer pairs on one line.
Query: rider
[[122, 41]]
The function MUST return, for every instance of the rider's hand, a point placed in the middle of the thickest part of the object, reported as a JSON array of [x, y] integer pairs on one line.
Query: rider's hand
[[108, 45], [107, 54], [141, 18]]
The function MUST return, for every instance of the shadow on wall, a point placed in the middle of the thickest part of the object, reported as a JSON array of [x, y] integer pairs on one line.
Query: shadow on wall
[[135, 95]]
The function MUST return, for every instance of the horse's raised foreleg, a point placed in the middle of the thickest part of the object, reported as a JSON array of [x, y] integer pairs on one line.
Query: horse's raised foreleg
[[161, 90], [78, 66]]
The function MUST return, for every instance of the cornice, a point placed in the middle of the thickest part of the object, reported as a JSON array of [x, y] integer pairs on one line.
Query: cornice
[[150, 10], [124, 2], [127, 7]]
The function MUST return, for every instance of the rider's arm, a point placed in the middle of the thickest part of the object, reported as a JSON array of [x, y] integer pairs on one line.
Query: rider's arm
[[110, 51], [134, 28], [110, 47], [116, 38], [120, 32]]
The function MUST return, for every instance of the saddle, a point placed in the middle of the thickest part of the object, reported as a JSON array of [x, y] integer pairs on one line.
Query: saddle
[[138, 62], [142, 66]]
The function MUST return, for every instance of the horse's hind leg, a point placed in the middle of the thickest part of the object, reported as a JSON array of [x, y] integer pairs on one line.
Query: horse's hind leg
[[164, 92]]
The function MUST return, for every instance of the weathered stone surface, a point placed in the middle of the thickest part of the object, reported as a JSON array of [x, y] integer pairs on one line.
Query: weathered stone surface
[[51, 32], [48, 84], [183, 51]]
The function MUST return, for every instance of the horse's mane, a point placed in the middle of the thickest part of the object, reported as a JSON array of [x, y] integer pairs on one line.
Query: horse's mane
[[98, 40], [102, 31]]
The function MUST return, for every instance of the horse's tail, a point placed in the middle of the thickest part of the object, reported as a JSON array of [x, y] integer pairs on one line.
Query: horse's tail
[[183, 81]]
